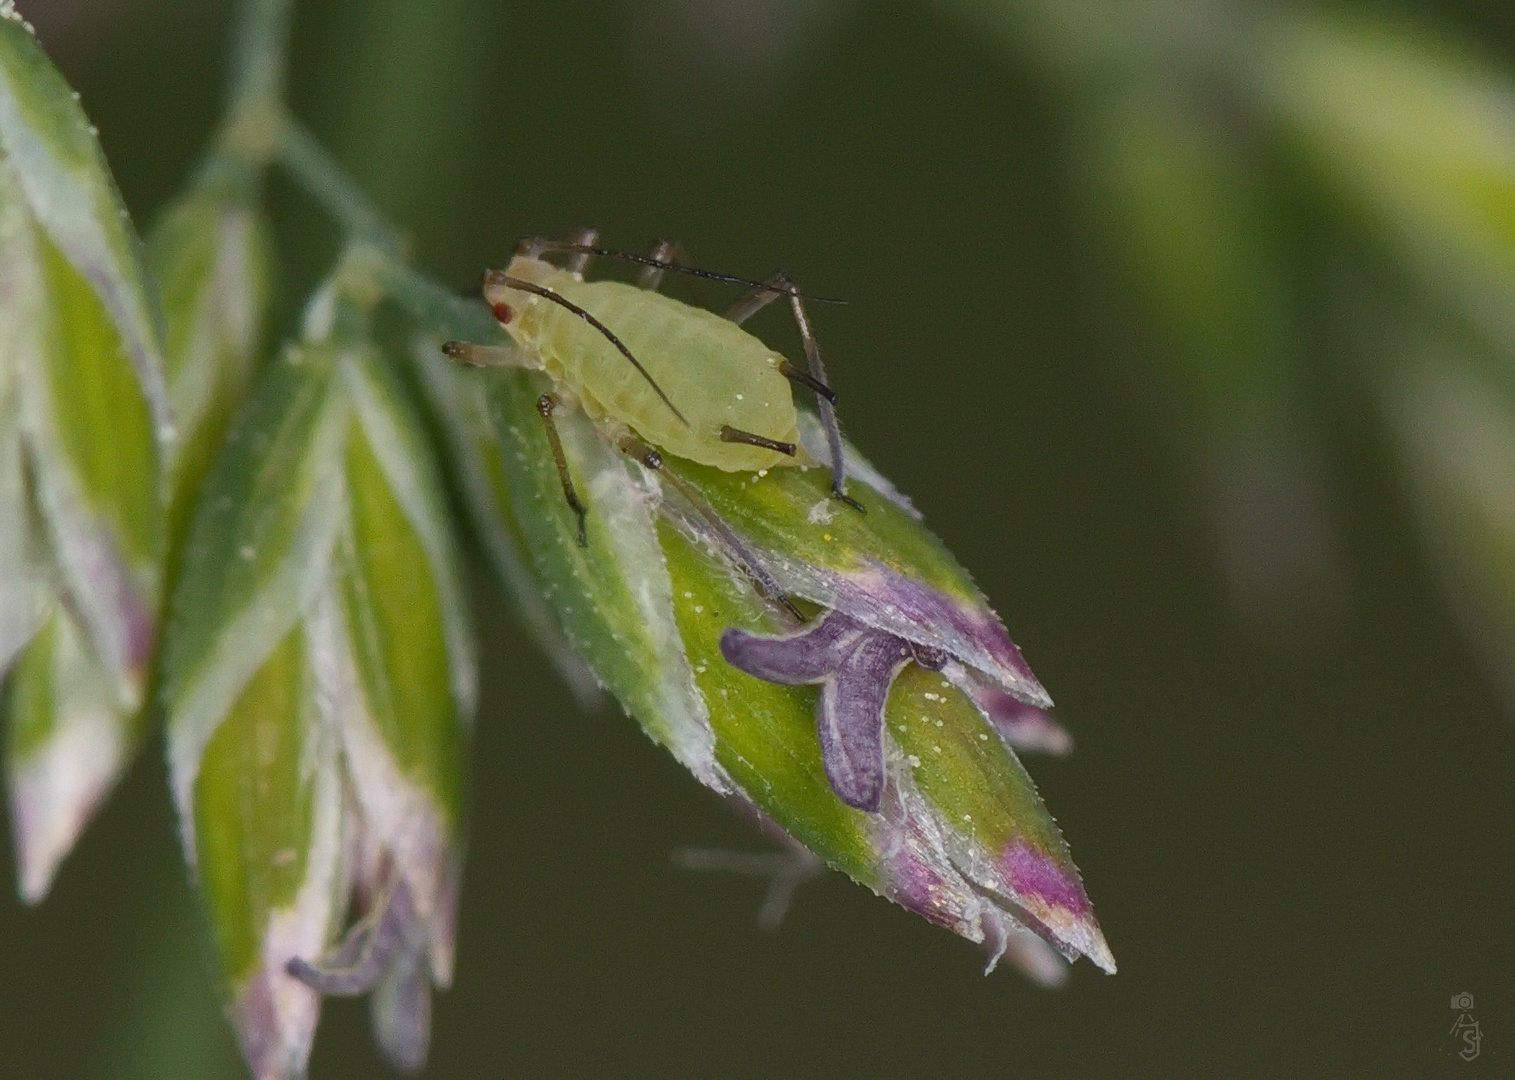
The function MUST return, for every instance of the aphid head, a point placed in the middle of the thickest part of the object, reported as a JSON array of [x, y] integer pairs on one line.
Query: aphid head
[[512, 306]]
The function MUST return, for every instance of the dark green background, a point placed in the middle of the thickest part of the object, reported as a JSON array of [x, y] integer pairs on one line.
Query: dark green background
[[1298, 848]]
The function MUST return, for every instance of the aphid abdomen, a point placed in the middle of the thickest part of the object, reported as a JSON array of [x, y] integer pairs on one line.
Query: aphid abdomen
[[713, 371]]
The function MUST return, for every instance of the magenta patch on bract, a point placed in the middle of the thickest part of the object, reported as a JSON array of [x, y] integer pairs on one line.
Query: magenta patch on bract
[[1035, 875], [1023, 726], [918, 887]]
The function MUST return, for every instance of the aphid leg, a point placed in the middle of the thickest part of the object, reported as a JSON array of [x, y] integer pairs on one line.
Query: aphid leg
[[546, 404], [663, 252], [748, 305], [755, 299], [824, 405], [580, 243], [731, 434], [663, 258], [583, 238], [486, 356], [767, 586]]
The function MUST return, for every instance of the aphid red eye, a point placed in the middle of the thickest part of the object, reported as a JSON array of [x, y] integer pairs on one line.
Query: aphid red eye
[[503, 312]]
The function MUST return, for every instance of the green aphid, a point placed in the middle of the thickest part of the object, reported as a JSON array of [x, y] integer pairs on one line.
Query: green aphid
[[655, 375]]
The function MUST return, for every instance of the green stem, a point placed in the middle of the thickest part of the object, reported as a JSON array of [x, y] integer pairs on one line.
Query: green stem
[[260, 129], [260, 57], [250, 132], [374, 247], [314, 168]]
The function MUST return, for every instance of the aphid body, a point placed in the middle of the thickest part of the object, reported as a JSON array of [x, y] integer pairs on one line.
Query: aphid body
[[712, 373]]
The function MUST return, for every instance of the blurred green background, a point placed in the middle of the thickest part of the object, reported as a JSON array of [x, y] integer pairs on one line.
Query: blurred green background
[[1294, 781]]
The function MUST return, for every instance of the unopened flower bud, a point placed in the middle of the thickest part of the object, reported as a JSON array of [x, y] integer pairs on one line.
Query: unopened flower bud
[[877, 732]]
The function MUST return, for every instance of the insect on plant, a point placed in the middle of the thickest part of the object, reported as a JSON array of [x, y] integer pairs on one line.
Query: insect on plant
[[656, 375]]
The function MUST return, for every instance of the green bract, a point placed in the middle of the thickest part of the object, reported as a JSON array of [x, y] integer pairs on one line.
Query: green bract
[[318, 682], [461, 399], [68, 186], [209, 257], [84, 424]]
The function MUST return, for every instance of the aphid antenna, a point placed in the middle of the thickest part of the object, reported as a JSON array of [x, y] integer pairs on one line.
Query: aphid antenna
[[496, 277], [537, 246], [767, 586]]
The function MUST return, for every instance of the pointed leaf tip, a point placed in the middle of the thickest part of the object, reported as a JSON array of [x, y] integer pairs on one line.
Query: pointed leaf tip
[[1050, 890], [68, 742], [54, 151]]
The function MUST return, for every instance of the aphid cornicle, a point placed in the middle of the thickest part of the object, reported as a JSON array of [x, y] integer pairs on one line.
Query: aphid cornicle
[[652, 372]]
